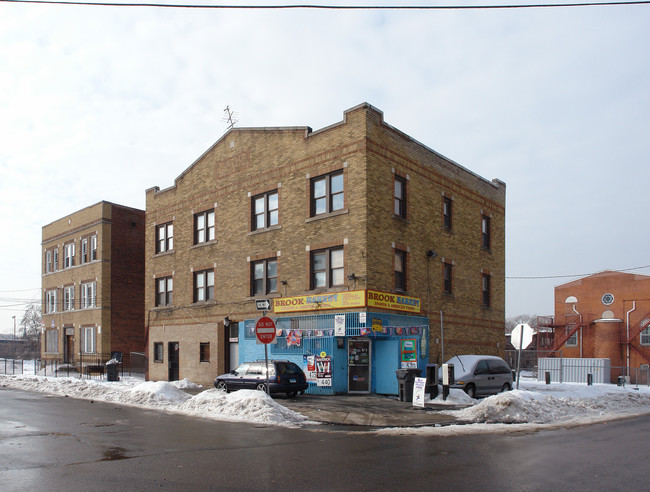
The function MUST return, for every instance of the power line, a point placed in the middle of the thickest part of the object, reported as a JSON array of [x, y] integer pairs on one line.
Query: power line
[[334, 7], [542, 277]]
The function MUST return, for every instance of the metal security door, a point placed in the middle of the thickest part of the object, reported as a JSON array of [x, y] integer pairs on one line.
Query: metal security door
[[173, 361], [359, 366]]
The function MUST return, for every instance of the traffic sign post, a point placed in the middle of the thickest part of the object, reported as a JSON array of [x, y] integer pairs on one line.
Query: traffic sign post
[[521, 335], [265, 333]]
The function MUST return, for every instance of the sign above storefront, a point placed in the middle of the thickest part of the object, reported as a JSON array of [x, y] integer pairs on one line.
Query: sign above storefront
[[347, 300]]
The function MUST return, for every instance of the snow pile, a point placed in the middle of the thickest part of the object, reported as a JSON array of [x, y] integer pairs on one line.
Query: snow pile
[[241, 406]]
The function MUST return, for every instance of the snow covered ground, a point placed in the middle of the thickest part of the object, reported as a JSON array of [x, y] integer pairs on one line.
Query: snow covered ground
[[534, 405]]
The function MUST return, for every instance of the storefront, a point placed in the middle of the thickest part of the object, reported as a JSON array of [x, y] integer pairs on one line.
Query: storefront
[[351, 352]]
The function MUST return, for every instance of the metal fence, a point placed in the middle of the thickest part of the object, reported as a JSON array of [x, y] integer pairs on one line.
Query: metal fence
[[84, 365]]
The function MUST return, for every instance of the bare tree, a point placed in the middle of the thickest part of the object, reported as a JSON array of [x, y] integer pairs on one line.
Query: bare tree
[[529, 319], [31, 325]]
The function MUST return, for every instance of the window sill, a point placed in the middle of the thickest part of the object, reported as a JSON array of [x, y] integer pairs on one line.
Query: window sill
[[207, 243], [163, 308], [265, 229], [210, 302], [270, 295], [164, 253], [157, 362], [401, 218], [327, 215], [487, 250]]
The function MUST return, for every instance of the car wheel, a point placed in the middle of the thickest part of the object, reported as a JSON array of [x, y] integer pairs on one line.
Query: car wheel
[[222, 386], [470, 389], [505, 387], [261, 387], [291, 394]]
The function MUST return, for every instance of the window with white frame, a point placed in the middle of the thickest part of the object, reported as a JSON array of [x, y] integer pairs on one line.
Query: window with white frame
[[327, 193], [164, 291], [88, 340], [52, 341], [645, 333], [204, 227], [265, 210], [93, 248], [485, 232], [204, 286], [55, 259], [264, 276], [68, 298], [85, 252], [68, 255], [88, 295], [50, 301], [48, 261], [164, 237], [327, 268], [572, 341]]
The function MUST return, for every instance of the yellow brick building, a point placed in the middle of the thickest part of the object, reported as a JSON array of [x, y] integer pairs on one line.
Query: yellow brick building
[[356, 220]]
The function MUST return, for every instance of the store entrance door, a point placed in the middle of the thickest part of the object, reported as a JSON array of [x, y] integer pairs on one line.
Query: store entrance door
[[359, 366]]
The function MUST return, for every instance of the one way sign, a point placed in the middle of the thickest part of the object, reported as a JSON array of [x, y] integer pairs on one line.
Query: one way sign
[[263, 304]]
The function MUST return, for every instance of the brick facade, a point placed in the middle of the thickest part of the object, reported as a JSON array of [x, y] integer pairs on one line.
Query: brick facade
[[369, 153], [115, 270]]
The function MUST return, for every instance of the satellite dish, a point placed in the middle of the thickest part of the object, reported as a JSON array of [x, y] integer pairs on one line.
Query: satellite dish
[[571, 300]]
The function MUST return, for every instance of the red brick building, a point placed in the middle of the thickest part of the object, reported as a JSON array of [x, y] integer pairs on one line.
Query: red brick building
[[606, 315]]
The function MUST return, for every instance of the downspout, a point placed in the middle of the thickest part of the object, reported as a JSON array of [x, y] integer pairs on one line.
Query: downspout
[[580, 317], [627, 338]]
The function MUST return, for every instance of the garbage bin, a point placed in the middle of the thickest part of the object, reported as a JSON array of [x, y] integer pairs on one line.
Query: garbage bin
[[432, 380], [405, 379], [112, 370]]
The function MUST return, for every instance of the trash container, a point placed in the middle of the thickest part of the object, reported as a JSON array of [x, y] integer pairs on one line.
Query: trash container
[[432, 380], [405, 379], [112, 370]]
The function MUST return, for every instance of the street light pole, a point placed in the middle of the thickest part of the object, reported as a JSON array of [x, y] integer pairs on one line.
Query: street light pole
[[14, 338]]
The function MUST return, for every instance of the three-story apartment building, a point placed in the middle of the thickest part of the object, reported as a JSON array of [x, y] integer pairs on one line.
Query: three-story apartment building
[[375, 252], [93, 284]]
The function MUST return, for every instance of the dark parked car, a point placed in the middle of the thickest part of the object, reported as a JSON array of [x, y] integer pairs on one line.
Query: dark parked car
[[481, 375], [284, 377]]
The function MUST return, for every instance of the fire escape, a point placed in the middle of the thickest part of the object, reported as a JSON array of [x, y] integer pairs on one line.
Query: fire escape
[[634, 340], [551, 337]]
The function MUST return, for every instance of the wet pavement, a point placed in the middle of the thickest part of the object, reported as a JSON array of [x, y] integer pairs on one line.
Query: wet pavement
[[367, 411]]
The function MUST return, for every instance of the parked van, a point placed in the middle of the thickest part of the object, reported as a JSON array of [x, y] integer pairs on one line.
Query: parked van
[[480, 375]]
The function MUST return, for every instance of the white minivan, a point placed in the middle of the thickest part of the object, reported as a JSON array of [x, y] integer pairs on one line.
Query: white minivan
[[480, 375]]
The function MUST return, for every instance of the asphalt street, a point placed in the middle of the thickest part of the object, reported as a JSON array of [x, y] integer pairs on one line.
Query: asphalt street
[[57, 443]]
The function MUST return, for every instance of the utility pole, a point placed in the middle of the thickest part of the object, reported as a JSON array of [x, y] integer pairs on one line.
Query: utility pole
[[14, 338]]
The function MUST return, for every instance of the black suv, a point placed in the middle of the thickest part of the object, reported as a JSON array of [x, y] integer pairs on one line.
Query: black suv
[[284, 377]]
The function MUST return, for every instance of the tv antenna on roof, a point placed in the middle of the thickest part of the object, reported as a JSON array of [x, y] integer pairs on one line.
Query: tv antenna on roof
[[230, 118]]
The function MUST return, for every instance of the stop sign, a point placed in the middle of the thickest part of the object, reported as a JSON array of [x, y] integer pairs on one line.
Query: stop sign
[[265, 330]]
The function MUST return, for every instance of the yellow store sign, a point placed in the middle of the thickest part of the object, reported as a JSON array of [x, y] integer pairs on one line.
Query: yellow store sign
[[347, 300]]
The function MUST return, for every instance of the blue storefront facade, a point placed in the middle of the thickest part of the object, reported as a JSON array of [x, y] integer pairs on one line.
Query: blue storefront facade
[[345, 352]]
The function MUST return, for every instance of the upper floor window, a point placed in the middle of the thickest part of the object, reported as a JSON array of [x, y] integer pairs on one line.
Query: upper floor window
[[400, 270], [85, 251], [645, 333], [400, 197], [204, 227], [68, 255], [572, 341], [68, 298], [51, 260], [447, 277], [485, 231], [327, 193], [327, 268], [265, 210], [204, 286], [486, 289], [50, 301], [164, 237], [88, 295], [93, 248], [264, 276], [164, 291], [447, 212]]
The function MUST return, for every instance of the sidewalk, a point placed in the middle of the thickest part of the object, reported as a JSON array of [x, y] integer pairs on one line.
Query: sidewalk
[[366, 410]]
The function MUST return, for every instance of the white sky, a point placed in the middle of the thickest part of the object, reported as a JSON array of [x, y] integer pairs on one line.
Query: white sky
[[100, 103]]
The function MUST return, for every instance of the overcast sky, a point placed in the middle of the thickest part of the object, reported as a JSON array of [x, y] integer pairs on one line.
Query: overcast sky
[[101, 103]]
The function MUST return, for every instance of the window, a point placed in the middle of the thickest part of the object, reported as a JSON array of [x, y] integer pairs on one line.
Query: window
[[572, 341], [55, 259], [327, 194], [48, 261], [265, 210], [52, 341], [204, 352], [645, 333], [264, 277], [164, 237], [400, 197], [446, 212], [485, 231], [204, 227], [93, 248], [68, 255], [327, 268], [68, 298], [486, 289], [50, 301], [88, 340], [400, 270], [158, 352], [85, 254], [447, 278], [88, 295], [164, 291], [204, 286]]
